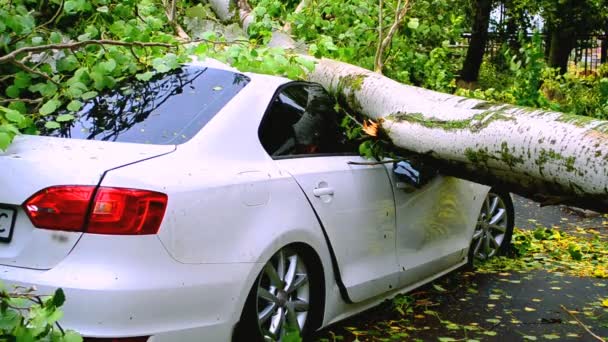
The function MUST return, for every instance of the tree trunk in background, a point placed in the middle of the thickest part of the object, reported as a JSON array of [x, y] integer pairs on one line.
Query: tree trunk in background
[[479, 39], [563, 41], [513, 23]]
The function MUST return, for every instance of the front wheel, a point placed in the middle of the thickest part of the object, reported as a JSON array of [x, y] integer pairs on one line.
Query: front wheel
[[280, 301], [494, 228]]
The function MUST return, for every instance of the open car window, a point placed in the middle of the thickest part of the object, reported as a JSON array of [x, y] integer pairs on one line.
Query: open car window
[[302, 121], [168, 109]]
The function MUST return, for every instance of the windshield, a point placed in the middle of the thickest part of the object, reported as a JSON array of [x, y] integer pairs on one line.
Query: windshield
[[168, 109]]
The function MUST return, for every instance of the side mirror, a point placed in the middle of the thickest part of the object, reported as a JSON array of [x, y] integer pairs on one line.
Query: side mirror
[[411, 176]]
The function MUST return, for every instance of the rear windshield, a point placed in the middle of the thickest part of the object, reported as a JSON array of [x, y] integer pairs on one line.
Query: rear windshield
[[168, 109]]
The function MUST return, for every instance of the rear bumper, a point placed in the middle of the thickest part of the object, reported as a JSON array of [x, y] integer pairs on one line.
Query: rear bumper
[[130, 286]]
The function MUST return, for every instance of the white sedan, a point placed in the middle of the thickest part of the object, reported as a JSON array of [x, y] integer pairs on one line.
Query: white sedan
[[206, 204]]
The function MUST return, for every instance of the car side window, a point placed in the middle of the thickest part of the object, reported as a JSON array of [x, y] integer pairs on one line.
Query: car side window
[[302, 121]]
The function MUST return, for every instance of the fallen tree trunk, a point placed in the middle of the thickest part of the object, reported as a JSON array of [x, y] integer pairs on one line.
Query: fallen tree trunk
[[547, 156], [550, 157]]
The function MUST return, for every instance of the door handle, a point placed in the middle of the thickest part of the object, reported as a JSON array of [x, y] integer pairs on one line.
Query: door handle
[[318, 192]]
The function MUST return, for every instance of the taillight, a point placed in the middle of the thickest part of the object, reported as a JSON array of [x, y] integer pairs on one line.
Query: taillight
[[60, 207], [115, 211]]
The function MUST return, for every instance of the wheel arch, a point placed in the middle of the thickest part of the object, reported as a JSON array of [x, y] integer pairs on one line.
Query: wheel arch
[[312, 260]]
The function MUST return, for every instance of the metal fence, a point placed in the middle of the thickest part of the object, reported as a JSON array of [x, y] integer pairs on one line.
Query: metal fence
[[588, 55]]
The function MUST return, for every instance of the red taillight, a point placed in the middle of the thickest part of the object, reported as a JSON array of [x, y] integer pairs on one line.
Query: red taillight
[[115, 211], [60, 207]]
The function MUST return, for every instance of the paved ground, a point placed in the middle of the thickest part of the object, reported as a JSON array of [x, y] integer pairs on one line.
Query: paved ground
[[499, 307], [528, 214]]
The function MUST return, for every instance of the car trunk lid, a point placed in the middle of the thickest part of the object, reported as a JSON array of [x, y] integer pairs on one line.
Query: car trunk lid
[[33, 163]]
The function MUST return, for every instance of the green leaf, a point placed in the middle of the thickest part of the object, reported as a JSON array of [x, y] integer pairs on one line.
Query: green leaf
[[146, 76], [64, 118], [69, 63], [71, 336], [5, 140], [49, 107], [55, 37], [58, 298], [76, 89], [9, 319], [89, 95], [414, 23], [45, 89], [551, 337], [439, 288], [22, 80], [12, 91], [307, 63], [160, 65], [108, 66], [52, 125], [74, 106], [102, 9], [13, 115], [74, 6]]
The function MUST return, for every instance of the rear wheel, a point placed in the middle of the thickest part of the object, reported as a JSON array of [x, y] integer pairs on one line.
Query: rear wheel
[[494, 228], [281, 299]]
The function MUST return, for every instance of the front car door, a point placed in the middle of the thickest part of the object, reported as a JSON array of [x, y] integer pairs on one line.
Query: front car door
[[354, 202]]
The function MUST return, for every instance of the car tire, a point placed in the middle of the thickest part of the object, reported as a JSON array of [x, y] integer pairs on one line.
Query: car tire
[[494, 230], [286, 291]]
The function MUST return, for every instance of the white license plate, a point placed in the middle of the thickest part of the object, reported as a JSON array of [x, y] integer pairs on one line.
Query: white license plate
[[7, 221]]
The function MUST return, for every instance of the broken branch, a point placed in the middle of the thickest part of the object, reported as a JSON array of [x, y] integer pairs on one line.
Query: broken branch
[[76, 45], [582, 325]]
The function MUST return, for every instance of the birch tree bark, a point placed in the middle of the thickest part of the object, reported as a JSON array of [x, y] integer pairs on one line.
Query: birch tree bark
[[547, 156], [550, 157]]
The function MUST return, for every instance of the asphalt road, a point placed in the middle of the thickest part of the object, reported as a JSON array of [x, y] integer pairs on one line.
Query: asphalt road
[[529, 214], [495, 307]]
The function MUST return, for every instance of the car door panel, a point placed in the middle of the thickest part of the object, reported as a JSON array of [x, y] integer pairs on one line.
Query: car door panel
[[356, 207], [434, 225]]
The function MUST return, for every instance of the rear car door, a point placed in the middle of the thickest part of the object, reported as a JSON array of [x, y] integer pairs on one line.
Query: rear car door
[[354, 202]]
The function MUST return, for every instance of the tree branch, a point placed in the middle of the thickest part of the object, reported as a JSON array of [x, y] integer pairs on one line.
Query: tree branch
[[301, 6], [19, 64], [582, 325], [400, 13], [76, 45], [21, 100], [170, 10], [378, 57], [55, 16]]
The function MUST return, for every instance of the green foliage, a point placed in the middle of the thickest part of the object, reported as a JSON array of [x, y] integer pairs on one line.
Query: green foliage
[[420, 54], [250, 57], [61, 80], [530, 82], [65, 78], [581, 253], [528, 70], [25, 316]]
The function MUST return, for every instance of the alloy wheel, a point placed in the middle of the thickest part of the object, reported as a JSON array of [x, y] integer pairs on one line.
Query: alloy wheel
[[283, 295], [492, 227]]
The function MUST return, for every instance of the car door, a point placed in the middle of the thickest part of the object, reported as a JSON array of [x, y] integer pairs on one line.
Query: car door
[[435, 217], [354, 202]]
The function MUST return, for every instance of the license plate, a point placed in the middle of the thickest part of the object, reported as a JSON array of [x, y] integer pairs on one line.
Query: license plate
[[7, 221]]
